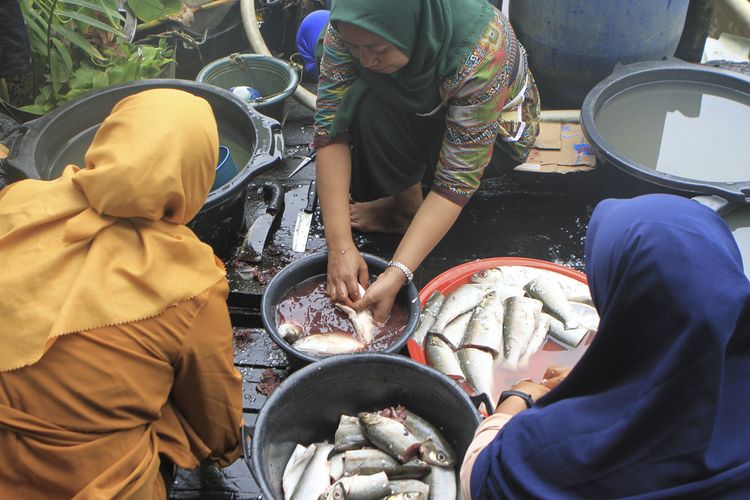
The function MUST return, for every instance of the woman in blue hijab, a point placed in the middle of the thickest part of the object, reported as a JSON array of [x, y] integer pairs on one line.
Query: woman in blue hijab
[[307, 38], [658, 406]]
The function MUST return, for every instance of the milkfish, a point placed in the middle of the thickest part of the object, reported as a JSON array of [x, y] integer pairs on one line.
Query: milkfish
[[478, 366], [290, 331], [316, 477], [537, 339], [503, 291], [485, 329], [390, 436], [337, 466], [569, 337], [442, 483], [328, 344], [487, 276], [409, 486], [454, 331], [549, 291], [360, 487], [295, 467], [519, 326], [435, 449], [363, 322], [349, 434], [407, 495], [462, 299], [372, 461], [427, 316], [441, 357], [586, 315]]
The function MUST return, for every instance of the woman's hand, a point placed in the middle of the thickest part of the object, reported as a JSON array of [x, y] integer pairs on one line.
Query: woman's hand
[[514, 405], [346, 270], [554, 375], [382, 294]]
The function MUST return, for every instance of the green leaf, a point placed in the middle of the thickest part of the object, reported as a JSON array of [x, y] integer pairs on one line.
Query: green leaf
[[35, 109], [57, 71], [64, 54], [90, 21], [100, 80], [109, 12], [149, 10], [78, 41]]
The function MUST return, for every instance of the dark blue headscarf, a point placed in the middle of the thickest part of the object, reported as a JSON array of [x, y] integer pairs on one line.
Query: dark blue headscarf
[[658, 406]]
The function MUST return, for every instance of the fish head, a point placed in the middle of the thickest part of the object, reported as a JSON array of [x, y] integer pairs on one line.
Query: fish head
[[436, 455], [290, 331], [487, 276]]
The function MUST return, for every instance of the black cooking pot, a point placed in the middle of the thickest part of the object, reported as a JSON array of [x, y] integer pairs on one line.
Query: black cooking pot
[[316, 265], [306, 407], [62, 137], [638, 178]]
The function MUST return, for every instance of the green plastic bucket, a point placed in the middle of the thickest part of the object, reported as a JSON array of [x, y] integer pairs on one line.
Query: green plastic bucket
[[273, 78]]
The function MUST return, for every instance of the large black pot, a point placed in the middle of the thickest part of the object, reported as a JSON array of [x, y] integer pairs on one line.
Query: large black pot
[[306, 407], [62, 137], [638, 178], [315, 265]]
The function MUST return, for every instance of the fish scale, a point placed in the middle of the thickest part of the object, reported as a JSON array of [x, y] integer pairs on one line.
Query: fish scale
[[485, 330]]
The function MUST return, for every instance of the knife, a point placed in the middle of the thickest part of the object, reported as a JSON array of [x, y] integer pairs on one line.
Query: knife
[[304, 219], [251, 249], [305, 161]]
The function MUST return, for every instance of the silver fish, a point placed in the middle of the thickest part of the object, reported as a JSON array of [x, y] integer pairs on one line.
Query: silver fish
[[390, 435], [349, 434], [485, 328], [575, 290], [454, 331], [328, 344], [435, 448], [409, 485], [478, 365], [519, 326], [407, 495], [295, 467], [487, 276], [503, 291], [441, 357], [364, 323], [290, 331], [337, 466], [427, 316], [316, 477], [586, 315], [462, 299], [549, 291], [568, 337], [360, 487], [518, 276], [442, 483], [537, 339], [371, 461]]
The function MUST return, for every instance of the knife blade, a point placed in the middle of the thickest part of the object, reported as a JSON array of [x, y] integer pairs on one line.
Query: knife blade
[[305, 161], [304, 219], [255, 241]]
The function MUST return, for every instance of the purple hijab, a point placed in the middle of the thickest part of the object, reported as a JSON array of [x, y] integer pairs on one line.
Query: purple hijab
[[658, 406]]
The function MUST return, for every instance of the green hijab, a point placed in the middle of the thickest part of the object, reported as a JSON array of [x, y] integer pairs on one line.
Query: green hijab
[[436, 35]]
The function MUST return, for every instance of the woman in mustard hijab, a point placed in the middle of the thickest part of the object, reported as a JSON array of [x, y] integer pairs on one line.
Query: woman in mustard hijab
[[412, 91], [115, 343]]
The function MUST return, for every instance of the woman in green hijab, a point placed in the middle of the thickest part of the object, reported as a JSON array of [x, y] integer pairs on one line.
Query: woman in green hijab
[[411, 90]]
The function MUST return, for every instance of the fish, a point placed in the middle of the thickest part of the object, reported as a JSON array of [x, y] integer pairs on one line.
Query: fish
[[290, 331], [519, 326], [442, 483], [435, 449], [372, 461], [363, 321], [568, 337], [316, 477], [427, 316], [503, 291], [409, 486], [390, 436], [519, 275], [485, 329], [575, 291], [586, 315], [328, 344], [441, 357], [295, 466], [462, 299], [360, 487], [537, 339], [487, 276], [349, 434], [337, 466], [549, 291], [407, 495], [454, 331], [478, 365]]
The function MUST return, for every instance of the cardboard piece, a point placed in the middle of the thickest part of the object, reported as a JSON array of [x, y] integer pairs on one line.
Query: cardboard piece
[[574, 154]]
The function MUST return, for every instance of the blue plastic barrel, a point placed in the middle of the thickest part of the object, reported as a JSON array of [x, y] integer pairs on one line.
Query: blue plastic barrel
[[574, 44]]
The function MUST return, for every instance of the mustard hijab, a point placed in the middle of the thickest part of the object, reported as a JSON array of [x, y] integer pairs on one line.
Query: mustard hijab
[[106, 244]]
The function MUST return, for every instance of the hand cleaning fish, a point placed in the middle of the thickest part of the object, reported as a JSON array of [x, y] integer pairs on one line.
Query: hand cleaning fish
[[364, 323]]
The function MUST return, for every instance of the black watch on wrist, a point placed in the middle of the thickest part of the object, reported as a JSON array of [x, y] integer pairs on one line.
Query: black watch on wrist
[[526, 397]]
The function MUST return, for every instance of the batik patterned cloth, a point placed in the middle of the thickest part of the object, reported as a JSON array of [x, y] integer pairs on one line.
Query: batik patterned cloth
[[491, 97]]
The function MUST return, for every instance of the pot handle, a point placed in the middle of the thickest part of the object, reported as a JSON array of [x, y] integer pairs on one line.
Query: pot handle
[[247, 438], [267, 158], [483, 398], [716, 203]]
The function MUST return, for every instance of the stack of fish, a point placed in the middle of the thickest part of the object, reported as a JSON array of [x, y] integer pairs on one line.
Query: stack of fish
[[392, 454], [504, 315]]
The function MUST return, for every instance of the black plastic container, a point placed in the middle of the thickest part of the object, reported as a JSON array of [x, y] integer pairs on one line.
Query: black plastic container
[[629, 177], [315, 265], [306, 407], [62, 136]]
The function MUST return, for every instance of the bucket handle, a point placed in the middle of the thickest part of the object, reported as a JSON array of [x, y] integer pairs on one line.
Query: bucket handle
[[716, 203], [247, 438], [483, 398]]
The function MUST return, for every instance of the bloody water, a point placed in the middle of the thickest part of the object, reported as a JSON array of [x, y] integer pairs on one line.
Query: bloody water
[[308, 305]]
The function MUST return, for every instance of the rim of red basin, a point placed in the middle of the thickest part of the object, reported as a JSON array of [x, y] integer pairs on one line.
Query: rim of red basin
[[459, 275]]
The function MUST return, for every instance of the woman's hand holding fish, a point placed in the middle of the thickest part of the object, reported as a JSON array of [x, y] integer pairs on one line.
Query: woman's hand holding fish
[[514, 405], [346, 269], [382, 294]]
